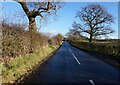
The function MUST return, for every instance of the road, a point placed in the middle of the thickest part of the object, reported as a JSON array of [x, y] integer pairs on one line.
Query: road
[[72, 66]]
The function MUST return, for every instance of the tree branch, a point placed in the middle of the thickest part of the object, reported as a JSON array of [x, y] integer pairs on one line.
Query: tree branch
[[24, 6]]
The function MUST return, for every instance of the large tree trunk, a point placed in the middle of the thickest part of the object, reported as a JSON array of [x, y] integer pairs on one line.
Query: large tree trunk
[[32, 31], [30, 14], [90, 39], [32, 25], [91, 33]]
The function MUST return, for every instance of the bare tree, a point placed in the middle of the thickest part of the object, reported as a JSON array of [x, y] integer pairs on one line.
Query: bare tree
[[96, 21], [59, 37], [33, 9], [56, 40], [74, 33]]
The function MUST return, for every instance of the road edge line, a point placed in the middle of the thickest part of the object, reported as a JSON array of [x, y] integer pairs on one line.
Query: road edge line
[[91, 81]]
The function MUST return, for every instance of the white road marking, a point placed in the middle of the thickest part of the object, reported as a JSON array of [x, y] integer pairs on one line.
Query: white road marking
[[91, 81], [70, 50], [76, 58]]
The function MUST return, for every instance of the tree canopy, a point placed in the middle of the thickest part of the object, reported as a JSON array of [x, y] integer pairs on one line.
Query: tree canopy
[[94, 20], [42, 9]]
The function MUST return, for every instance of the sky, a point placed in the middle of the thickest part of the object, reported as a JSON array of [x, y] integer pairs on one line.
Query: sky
[[65, 16]]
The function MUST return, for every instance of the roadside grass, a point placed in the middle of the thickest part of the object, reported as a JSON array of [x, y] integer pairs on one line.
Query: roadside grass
[[106, 51], [19, 66], [105, 48]]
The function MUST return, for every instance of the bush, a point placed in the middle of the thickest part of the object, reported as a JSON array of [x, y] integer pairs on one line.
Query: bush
[[16, 41]]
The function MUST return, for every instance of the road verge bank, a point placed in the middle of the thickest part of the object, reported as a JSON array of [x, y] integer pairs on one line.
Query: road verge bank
[[100, 51], [20, 67]]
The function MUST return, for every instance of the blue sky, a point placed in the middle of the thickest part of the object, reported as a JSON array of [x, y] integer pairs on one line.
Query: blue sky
[[65, 16]]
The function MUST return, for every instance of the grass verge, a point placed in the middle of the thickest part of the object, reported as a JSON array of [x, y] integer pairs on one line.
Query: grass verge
[[20, 66], [112, 60]]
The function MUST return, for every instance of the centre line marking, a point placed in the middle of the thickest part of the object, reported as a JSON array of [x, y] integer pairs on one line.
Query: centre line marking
[[76, 58], [91, 81], [70, 50]]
